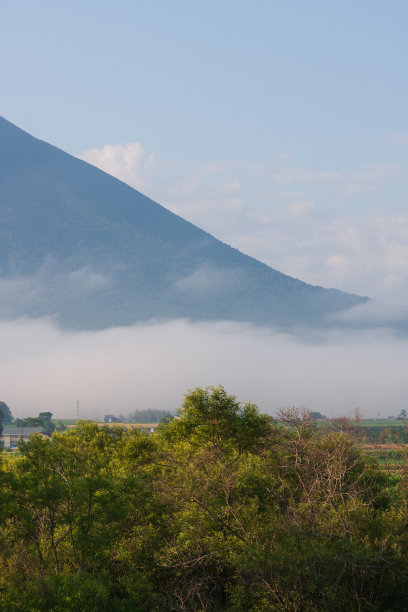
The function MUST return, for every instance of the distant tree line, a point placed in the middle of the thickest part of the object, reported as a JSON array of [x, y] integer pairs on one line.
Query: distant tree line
[[44, 420], [149, 415], [317, 416]]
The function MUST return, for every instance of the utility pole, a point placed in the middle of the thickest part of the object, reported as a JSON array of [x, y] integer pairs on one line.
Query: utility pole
[[77, 407]]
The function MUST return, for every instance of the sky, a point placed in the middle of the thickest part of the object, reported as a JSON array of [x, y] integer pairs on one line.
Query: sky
[[279, 127]]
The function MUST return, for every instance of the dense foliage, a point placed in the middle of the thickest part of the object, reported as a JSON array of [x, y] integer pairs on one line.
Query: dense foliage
[[220, 509], [5, 414]]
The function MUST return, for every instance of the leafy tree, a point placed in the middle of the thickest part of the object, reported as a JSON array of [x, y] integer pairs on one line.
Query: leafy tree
[[266, 513], [212, 417], [402, 414], [206, 453], [45, 418], [317, 415], [7, 416]]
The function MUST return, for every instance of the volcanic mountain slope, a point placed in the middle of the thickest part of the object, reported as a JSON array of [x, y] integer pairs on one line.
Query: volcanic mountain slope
[[84, 247]]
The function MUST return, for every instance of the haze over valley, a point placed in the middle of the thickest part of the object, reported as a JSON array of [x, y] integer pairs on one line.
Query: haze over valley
[[232, 213], [110, 298]]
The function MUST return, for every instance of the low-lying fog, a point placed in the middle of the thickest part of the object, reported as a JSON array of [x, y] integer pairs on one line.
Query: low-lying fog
[[152, 365]]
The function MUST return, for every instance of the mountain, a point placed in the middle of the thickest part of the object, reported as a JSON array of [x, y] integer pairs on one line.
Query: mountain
[[84, 247]]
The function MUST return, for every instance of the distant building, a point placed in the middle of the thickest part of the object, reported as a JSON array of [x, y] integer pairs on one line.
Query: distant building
[[12, 435]]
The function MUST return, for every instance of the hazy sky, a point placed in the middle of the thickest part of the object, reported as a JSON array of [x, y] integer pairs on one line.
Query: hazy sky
[[280, 127]]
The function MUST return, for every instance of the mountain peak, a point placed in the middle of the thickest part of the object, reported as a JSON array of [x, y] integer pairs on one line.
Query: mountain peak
[[84, 247]]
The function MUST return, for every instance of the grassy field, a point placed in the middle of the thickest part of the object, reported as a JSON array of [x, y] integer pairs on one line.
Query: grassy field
[[64, 421], [368, 422], [392, 457], [382, 422]]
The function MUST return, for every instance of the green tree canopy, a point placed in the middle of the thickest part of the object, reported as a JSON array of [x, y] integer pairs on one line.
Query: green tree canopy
[[219, 510], [7, 416], [317, 415], [212, 417]]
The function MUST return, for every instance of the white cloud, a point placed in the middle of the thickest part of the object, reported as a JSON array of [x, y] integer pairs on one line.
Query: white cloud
[[207, 279], [232, 186], [286, 195], [290, 176], [392, 280], [300, 207], [285, 157], [365, 254], [400, 139], [51, 284], [130, 162], [375, 314], [396, 256], [367, 178], [203, 192], [339, 267]]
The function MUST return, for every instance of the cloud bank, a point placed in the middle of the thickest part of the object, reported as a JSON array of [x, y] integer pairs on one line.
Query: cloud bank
[[119, 370]]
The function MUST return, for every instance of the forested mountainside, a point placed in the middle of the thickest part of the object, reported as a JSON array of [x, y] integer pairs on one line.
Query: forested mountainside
[[80, 245]]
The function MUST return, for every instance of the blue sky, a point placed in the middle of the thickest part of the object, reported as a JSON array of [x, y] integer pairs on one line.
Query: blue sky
[[280, 127]]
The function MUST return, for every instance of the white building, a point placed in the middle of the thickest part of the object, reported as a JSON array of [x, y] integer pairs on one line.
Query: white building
[[12, 435]]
